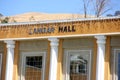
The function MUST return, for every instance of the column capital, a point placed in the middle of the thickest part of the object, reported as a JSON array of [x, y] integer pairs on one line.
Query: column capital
[[54, 41], [101, 39], [10, 43]]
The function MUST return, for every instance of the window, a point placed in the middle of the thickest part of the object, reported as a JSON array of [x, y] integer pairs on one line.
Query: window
[[116, 66], [34, 61], [33, 66], [78, 65]]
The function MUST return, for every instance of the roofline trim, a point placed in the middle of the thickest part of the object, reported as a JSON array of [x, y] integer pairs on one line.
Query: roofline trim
[[60, 21], [61, 36]]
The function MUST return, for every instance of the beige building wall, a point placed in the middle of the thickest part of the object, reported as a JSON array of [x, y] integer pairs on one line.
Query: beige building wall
[[82, 43]]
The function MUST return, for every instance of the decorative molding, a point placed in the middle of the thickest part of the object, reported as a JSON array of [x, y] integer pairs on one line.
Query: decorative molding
[[100, 39], [10, 43], [54, 42]]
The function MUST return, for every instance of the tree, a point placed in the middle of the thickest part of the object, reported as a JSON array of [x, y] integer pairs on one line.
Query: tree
[[5, 20], [85, 6], [109, 15], [101, 7], [117, 13]]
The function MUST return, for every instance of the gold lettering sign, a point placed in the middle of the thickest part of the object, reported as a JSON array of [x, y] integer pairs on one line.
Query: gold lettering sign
[[61, 29]]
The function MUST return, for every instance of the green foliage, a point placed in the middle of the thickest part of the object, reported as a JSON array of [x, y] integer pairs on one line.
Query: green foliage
[[5, 20]]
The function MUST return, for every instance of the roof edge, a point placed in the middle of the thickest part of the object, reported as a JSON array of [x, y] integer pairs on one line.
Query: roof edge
[[59, 21]]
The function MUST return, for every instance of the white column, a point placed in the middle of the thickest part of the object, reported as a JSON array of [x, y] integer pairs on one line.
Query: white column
[[10, 59], [101, 40], [77, 68], [53, 58]]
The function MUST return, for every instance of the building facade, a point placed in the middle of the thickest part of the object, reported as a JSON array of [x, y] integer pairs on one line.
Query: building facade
[[78, 49]]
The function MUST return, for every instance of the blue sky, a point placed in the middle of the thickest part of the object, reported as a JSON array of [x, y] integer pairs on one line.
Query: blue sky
[[13, 7]]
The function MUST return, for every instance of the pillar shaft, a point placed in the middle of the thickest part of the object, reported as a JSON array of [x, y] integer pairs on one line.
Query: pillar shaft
[[53, 58], [10, 59], [101, 40]]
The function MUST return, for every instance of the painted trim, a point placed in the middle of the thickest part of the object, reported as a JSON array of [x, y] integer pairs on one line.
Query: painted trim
[[66, 57], [66, 36], [16, 62], [107, 72], [47, 61], [94, 60], [23, 55], [4, 62], [60, 60]]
